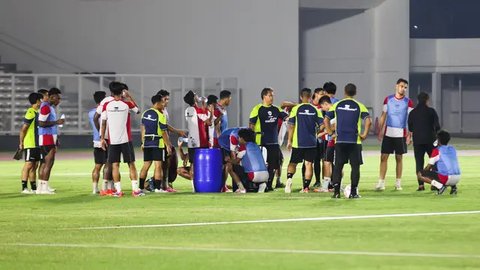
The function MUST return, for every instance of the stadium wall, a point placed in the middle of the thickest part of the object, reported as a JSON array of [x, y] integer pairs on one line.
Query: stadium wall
[[256, 41], [367, 47]]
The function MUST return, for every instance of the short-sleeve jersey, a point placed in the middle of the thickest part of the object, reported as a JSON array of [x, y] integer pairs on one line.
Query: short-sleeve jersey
[[348, 114], [306, 119], [117, 115], [265, 119], [397, 115], [47, 135], [197, 129], [31, 137], [155, 124]]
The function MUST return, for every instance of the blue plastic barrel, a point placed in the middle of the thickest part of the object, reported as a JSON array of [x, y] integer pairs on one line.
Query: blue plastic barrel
[[207, 167]]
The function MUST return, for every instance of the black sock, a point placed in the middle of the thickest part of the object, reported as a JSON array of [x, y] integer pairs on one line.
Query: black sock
[[289, 175], [336, 186], [306, 183], [157, 184], [142, 183], [24, 184], [33, 185]]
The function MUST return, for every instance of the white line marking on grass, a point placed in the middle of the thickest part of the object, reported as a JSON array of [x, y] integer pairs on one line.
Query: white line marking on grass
[[280, 220], [252, 250]]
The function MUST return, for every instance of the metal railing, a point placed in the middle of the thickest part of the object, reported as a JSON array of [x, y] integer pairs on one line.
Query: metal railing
[[77, 96]]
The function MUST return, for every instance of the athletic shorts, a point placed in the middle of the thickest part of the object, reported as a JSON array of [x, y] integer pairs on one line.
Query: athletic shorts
[[191, 154], [301, 154], [46, 149], [348, 152], [124, 149], [321, 147], [273, 156], [154, 154], [329, 154], [33, 154], [258, 177], [394, 145], [100, 156], [448, 180]]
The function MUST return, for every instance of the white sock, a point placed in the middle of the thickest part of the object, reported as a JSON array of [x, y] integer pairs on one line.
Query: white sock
[[240, 186], [95, 187], [326, 182], [437, 184], [110, 185], [118, 186], [134, 185], [105, 184], [381, 181], [399, 181]]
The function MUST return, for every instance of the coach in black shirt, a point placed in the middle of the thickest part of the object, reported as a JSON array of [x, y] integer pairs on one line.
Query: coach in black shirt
[[423, 123]]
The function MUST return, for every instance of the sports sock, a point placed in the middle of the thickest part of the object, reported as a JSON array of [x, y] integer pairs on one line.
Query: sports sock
[[118, 186], [142, 183], [157, 184], [111, 184], [134, 185], [306, 183], [326, 182], [24, 184], [437, 184], [95, 187], [105, 184], [289, 175], [33, 185]]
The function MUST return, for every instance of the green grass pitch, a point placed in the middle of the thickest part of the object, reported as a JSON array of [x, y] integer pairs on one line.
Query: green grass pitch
[[49, 226]]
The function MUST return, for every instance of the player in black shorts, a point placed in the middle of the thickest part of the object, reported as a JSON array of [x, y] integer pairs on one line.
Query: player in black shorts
[[264, 120], [348, 148], [304, 121], [99, 155]]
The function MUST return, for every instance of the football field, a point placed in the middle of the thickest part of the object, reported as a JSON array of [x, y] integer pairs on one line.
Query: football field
[[382, 230]]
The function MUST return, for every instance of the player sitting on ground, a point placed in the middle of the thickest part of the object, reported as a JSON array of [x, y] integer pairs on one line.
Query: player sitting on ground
[[442, 169]]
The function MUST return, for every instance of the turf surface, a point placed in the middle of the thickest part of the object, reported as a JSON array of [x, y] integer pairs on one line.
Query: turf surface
[[53, 221]]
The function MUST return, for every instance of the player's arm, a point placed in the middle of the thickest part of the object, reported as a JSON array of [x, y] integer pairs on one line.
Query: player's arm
[[179, 132], [329, 115], [290, 135], [435, 157], [368, 124], [103, 130], [287, 104], [96, 117], [253, 118], [23, 132], [131, 101], [382, 119], [142, 135], [364, 114], [168, 144]]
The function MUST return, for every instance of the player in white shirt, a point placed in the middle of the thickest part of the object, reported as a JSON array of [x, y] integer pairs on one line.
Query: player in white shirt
[[116, 118]]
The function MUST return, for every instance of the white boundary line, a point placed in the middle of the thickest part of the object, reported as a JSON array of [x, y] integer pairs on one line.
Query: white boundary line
[[280, 220], [254, 250]]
